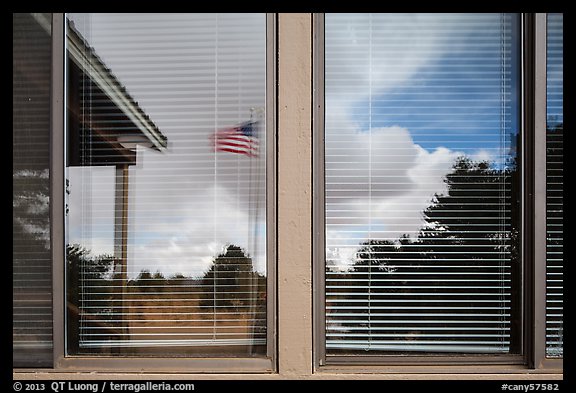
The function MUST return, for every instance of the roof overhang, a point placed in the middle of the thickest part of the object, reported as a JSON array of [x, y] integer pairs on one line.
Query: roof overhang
[[91, 65]]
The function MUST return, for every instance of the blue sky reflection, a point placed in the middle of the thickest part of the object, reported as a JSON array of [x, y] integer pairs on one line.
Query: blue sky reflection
[[406, 94]]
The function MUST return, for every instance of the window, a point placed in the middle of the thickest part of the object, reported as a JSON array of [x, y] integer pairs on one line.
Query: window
[[31, 263], [177, 178], [421, 166], [166, 208], [554, 186]]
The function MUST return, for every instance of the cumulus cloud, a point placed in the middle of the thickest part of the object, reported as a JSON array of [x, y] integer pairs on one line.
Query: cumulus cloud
[[186, 203], [189, 244], [381, 191], [379, 176], [406, 51], [174, 226]]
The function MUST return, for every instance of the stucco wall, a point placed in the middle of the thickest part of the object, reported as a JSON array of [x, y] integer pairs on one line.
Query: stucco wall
[[294, 194]]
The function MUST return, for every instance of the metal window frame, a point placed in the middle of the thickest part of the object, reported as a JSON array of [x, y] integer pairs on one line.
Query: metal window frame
[[64, 363], [533, 243], [538, 358], [57, 184], [318, 195]]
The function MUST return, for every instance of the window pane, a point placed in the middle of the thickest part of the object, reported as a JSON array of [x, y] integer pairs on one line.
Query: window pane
[[554, 187], [31, 266], [421, 176], [166, 185]]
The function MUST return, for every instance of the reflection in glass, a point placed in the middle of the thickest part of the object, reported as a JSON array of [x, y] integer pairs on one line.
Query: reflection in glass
[[31, 259], [554, 186], [422, 213], [166, 184]]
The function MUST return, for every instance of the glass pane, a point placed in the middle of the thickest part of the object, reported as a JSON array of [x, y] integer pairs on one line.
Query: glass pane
[[422, 183], [31, 262], [554, 187], [166, 185]]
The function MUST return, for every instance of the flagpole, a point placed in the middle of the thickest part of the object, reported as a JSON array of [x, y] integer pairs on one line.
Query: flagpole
[[243, 139], [254, 241], [253, 280]]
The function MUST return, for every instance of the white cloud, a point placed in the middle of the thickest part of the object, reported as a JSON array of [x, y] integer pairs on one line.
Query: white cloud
[[187, 203], [188, 245], [402, 187], [483, 155], [378, 179], [171, 232], [407, 50], [90, 203]]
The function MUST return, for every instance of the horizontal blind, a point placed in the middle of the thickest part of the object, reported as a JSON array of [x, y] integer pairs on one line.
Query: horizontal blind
[[166, 229], [421, 183], [554, 186], [31, 263]]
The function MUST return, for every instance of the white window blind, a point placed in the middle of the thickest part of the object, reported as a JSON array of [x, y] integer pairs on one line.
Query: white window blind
[[421, 183], [166, 184], [31, 263], [555, 186]]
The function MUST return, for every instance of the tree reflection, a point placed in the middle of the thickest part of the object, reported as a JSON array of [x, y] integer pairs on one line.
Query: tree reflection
[[466, 247], [227, 304], [231, 281]]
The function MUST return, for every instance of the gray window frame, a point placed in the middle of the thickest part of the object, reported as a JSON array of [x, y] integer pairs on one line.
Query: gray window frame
[[63, 362], [533, 238]]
